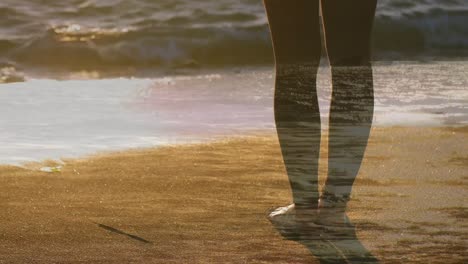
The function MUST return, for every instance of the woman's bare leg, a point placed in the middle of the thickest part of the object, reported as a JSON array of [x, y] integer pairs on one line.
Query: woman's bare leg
[[348, 26], [295, 31]]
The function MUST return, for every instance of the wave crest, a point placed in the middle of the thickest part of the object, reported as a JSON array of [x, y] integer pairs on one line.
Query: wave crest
[[230, 34]]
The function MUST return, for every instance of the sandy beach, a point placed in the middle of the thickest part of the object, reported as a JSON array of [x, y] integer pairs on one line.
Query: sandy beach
[[207, 203]]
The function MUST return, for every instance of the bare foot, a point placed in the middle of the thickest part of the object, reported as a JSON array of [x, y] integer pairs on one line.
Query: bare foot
[[295, 224], [330, 214], [334, 221], [291, 213]]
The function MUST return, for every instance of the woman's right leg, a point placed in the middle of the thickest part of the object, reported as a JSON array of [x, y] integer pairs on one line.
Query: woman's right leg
[[295, 31]]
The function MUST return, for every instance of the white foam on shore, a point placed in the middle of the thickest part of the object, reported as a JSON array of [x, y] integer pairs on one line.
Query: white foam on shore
[[49, 119]]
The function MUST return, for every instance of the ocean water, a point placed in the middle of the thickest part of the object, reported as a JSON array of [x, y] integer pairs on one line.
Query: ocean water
[[52, 119], [120, 37]]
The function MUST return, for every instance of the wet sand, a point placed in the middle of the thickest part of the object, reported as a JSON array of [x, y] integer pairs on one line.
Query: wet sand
[[207, 203]]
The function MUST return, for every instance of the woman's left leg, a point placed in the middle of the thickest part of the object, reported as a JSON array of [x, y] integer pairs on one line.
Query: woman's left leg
[[348, 26]]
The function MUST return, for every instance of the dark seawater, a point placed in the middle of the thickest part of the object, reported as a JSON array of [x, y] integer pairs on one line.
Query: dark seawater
[[126, 36]]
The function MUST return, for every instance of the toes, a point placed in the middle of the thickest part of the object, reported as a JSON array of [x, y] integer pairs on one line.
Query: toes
[[281, 211]]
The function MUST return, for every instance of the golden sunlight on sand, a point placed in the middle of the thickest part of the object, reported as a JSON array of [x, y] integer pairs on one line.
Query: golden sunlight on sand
[[207, 203]]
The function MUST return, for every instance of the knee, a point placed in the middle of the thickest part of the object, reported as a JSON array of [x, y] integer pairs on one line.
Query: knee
[[297, 69], [351, 61], [296, 53]]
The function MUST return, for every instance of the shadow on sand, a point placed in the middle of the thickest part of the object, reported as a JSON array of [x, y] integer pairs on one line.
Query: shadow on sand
[[327, 244], [120, 232]]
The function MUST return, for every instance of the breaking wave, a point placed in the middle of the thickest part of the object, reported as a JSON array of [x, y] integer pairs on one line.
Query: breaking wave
[[103, 35]]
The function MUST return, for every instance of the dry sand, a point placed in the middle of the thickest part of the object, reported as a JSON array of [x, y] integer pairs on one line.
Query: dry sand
[[207, 203]]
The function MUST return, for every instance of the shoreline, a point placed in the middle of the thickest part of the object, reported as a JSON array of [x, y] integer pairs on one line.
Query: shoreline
[[13, 75], [213, 139], [114, 114], [208, 203]]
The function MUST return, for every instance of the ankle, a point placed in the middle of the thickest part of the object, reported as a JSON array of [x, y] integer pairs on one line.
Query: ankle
[[306, 207], [331, 200]]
